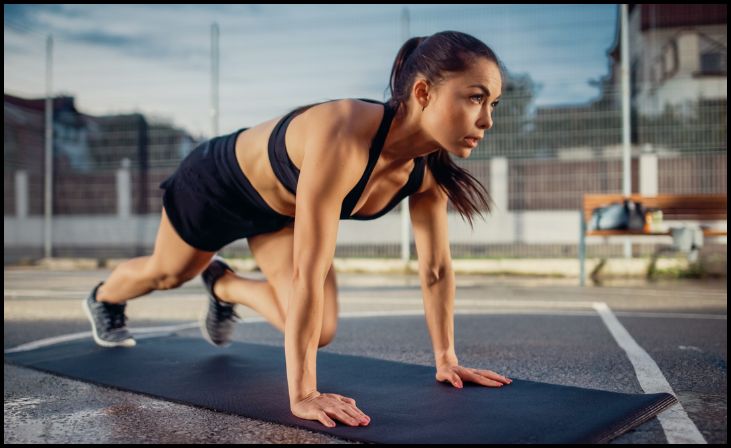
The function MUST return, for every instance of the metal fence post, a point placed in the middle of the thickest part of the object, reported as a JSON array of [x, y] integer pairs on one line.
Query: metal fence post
[[124, 190], [21, 194]]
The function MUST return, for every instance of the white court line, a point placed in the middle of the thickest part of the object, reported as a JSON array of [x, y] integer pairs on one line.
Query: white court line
[[676, 424], [87, 334]]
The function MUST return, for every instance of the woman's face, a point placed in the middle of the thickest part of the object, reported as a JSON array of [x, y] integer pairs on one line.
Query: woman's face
[[462, 106]]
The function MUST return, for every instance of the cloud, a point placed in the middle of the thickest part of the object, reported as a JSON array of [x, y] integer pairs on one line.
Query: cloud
[[104, 39]]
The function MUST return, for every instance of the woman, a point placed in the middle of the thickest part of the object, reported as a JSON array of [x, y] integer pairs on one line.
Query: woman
[[357, 159]]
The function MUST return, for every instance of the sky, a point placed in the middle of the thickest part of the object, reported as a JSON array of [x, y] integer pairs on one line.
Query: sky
[[156, 59]]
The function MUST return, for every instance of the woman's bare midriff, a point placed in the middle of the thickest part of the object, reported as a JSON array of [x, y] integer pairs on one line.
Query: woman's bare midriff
[[253, 157]]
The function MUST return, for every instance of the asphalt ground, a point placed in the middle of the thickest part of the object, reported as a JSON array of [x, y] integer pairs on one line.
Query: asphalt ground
[[536, 329]]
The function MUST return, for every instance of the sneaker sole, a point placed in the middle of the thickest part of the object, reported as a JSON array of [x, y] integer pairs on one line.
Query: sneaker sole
[[126, 343]]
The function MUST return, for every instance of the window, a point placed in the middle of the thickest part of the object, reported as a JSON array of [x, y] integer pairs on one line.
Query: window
[[713, 63]]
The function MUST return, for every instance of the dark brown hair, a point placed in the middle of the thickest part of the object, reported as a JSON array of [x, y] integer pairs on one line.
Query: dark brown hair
[[432, 57]]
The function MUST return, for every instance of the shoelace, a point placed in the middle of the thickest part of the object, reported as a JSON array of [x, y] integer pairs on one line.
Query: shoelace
[[114, 315]]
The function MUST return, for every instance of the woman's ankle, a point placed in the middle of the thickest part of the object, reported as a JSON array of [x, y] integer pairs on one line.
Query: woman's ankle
[[101, 296], [219, 287]]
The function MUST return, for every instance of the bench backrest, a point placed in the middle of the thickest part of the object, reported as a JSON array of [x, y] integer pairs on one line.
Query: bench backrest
[[673, 206]]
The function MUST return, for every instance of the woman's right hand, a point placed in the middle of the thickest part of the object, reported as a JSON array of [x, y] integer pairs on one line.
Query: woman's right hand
[[322, 407]]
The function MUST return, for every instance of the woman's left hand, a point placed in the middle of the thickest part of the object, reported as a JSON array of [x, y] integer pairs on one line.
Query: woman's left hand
[[456, 374]]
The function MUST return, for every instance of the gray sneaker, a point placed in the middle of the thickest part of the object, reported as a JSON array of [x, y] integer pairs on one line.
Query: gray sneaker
[[217, 325], [107, 322]]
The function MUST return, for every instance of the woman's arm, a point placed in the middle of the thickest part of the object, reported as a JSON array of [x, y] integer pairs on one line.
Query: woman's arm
[[428, 211], [429, 218], [330, 169], [315, 232], [439, 313]]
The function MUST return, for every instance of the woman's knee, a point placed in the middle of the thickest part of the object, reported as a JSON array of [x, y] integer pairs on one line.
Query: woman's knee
[[330, 316], [163, 279], [168, 281], [169, 275], [326, 336]]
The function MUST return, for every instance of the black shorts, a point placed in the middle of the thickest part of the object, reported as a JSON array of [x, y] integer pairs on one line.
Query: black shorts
[[210, 202]]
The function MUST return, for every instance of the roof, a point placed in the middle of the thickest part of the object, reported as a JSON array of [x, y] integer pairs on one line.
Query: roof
[[656, 16]]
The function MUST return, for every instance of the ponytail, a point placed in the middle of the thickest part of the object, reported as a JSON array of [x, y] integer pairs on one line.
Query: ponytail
[[397, 75]]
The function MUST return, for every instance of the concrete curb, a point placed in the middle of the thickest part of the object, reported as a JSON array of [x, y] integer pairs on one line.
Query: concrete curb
[[549, 267]]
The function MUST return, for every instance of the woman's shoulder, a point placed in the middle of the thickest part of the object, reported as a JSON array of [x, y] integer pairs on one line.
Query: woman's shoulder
[[360, 119], [334, 152], [338, 129], [363, 119]]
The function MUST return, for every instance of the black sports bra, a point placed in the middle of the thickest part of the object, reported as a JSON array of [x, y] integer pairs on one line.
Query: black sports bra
[[288, 173]]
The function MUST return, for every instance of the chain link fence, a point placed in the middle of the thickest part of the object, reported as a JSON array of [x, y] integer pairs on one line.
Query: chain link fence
[[537, 162]]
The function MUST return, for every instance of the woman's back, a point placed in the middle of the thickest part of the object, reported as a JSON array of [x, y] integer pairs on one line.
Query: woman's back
[[362, 121]]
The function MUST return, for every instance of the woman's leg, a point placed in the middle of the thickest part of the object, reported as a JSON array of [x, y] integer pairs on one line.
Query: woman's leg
[[172, 263], [255, 294], [273, 253]]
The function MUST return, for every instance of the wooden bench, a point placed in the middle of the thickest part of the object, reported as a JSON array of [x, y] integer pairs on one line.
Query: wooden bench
[[707, 207]]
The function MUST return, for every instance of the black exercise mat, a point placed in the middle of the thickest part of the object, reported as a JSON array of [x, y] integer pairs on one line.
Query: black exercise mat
[[405, 402]]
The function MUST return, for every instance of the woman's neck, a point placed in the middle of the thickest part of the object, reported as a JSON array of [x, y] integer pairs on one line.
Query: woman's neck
[[406, 138]]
